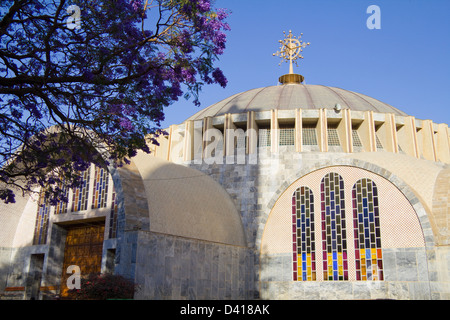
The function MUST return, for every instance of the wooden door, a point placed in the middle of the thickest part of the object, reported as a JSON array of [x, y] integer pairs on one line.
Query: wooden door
[[84, 245]]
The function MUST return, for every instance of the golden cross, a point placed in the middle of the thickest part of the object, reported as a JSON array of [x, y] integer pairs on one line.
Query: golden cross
[[290, 50]]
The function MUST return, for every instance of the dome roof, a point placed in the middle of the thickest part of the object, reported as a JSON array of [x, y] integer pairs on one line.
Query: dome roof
[[293, 96]]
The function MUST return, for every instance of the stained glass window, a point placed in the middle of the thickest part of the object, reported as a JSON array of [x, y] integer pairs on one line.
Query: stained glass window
[[100, 192], [113, 216], [334, 238], [366, 226], [304, 259], [41, 226], [61, 206], [81, 194]]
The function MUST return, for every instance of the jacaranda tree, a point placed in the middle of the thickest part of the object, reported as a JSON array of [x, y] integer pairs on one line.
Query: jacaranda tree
[[79, 76]]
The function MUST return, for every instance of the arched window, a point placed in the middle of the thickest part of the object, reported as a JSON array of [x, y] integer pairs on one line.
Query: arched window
[[304, 259], [334, 237], [366, 226]]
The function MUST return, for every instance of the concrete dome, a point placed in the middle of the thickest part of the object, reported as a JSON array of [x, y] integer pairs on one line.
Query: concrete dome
[[293, 96]]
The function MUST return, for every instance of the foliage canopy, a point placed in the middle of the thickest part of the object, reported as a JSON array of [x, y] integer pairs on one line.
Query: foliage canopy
[[68, 94]]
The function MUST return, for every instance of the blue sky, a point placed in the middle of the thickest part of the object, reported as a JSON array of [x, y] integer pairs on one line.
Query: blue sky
[[406, 63]]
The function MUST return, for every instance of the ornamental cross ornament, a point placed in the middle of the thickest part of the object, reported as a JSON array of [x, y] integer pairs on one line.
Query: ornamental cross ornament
[[291, 49]]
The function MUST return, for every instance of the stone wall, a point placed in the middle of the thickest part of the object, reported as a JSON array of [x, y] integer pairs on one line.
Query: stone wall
[[170, 267], [412, 273], [441, 208], [5, 257], [405, 271]]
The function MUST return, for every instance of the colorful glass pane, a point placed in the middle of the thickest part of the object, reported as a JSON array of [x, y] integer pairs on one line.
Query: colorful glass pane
[[366, 226], [334, 237], [61, 206], [100, 191], [304, 259], [81, 194], [41, 226]]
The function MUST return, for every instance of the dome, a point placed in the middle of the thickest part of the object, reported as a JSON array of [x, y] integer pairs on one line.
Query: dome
[[293, 96]]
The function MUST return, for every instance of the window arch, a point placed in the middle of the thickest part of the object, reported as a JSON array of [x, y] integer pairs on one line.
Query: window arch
[[304, 256], [366, 226], [334, 237]]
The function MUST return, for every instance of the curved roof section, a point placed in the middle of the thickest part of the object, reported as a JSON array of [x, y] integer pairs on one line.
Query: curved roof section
[[293, 96], [186, 202]]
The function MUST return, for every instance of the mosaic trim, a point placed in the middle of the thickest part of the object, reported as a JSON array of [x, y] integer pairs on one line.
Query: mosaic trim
[[366, 225], [304, 249], [334, 237]]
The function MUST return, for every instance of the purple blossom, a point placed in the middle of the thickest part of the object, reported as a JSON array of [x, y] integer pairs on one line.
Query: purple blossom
[[122, 80], [32, 108], [185, 42], [116, 109], [219, 77], [188, 75], [126, 124], [129, 110], [136, 5], [219, 41], [203, 6], [222, 14], [16, 114]]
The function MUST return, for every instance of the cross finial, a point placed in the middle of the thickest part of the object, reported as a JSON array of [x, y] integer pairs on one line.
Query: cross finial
[[291, 49]]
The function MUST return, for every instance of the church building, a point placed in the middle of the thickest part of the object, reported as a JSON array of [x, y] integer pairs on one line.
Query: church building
[[293, 191]]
